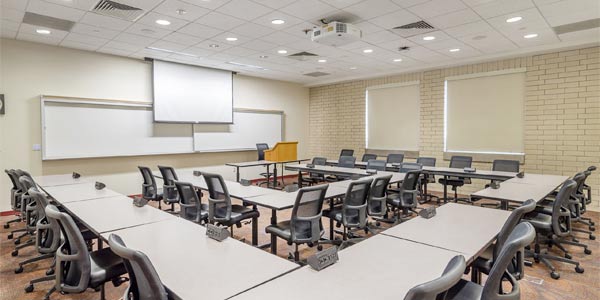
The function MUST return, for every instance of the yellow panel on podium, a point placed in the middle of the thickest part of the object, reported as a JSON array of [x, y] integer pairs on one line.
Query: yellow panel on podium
[[283, 151]]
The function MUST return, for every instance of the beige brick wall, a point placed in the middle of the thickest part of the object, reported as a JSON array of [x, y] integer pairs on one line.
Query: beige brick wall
[[562, 113]]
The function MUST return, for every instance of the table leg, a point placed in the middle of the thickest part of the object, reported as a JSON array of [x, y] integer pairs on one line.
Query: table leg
[[237, 174], [445, 189], [300, 179], [504, 205], [275, 175], [331, 200], [273, 237], [426, 178], [254, 228]]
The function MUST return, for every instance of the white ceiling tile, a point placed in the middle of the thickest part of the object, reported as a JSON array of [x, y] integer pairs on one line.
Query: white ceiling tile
[[78, 45], [381, 37], [341, 3], [299, 29], [469, 29], [259, 45], [150, 54], [252, 30], [439, 36], [455, 18], [201, 52], [465, 52], [94, 31], [31, 29], [395, 19], [501, 7], [275, 4], [105, 22], [9, 25], [277, 15], [570, 11], [146, 5], [492, 42], [211, 4], [445, 44], [11, 14], [308, 9], [114, 51], [122, 46], [532, 20], [280, 38], [208, 44], [149, 31], [183, 39], [395, 45], [544, 2], [8, 34], [170, 8], [244, 9], [372, 8], [150, 20], [436, 7], [14, 4], [303, 44], [134, 39], [222, 38], [54, 10], [220, 21], [239, 51], [472, 3], [222, 57], [354, 45], [85, 39], [78, 4], [162, 44], [368, 27], [423, 54], [38, 38], [199, 30], [545, 36], [409, 3]]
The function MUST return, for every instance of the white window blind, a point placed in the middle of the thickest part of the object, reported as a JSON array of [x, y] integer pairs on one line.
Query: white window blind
[[484, 112], [393, 117]]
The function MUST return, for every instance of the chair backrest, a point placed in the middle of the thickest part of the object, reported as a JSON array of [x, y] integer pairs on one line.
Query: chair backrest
[[73, 265], [18, 173], [513, 220], [189, 200], [306, 224], [149, 188], [409, 189], [47, 230], [346, 161], [459, 162], [354, 207], [521, 236], [506, 165], [144, 282], [377, 196], [426, 161], [561, 223], [219, 201], [437, 288], [15, 191], [319, 161], [169, 177], [408, 166], [374, 164], [395, 158], [366, 157], [260, 148], [12, 176], [346, 152]]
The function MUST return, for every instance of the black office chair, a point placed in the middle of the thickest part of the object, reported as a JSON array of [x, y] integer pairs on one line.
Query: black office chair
[[377, 202], [149, 187], [190, 206], [577, 205], [458, 162], [21, 204], [305, 225], [588, 189], [395, 158], [170, 195], [15, 198], [406, 167], [586, 199], [343, 162], [78, 269], [427, 179], [438, 288], [552, 228], [220, 208], [144, 282], [379, 165], [485, 262], [406, 200], [520, 237], [26, 183], [352, 214], [502, 165], [346, 152], [366, 157], [260, 148], [314, 178]]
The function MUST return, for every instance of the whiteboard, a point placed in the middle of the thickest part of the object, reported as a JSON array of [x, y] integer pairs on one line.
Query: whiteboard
[[249, 128], [85, 129]]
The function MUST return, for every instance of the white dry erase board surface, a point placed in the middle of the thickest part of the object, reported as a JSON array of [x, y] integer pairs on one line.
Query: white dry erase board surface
[[87, 128]]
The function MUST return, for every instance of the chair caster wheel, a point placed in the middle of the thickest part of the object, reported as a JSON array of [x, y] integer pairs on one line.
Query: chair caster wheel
[[290, 256], [19, 270], [29, 288], [587, 251], [555, 275], [568, 256], [320, 247], [592, 228], [537, 260], [378, 224], [592, 237], [17, 241], [14, 253], [579, 269], [6, 226], [49, 272], [10, 236]]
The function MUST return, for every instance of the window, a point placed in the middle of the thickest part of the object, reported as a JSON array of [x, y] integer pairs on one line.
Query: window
[[393, 117], [484, 113]]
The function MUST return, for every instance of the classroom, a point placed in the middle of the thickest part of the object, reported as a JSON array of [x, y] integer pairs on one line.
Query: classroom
[[299, 149]]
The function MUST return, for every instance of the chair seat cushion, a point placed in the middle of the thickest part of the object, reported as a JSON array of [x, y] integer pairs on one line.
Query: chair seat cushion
[[452, 181], [238, 213], [396, 201], [465, 290], [484, 261], [539, 220], [336, 214], [105, 266]]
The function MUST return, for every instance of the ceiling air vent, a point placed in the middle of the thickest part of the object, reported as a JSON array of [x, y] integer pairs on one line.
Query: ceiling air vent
[[578, 26], [47, 21], [302, 56], [118, 10], [316, 74], [415, 28]]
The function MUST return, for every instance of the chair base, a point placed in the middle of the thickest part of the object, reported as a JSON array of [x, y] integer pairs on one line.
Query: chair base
[[546, 258]]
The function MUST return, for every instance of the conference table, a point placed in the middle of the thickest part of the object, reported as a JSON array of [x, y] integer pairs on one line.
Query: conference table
[[60, 179], [266, 163], [78, 192]]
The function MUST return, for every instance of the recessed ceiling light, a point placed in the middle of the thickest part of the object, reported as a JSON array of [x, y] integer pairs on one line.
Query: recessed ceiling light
[[264, 56], [277, 21], [213, 46], [429, 38], [282, 51], [42, 31], [530, 36], [514, 19], [163, 22], [454, 50], [322, 60], [398, 60], [231, 39], [368, 51], [181, 11], [353, 68]]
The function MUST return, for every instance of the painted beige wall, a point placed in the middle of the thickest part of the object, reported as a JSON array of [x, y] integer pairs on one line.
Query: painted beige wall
[[29, 70]]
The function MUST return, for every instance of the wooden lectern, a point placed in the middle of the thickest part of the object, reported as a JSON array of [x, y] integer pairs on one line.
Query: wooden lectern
[[282, 151]]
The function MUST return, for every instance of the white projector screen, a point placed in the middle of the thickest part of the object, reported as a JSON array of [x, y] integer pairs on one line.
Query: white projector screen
[[191, 94]]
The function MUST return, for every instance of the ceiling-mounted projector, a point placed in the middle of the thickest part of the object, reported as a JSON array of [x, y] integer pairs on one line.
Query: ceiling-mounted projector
[[336, 34]]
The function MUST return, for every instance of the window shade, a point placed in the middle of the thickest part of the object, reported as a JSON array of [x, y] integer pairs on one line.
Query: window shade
[[393, 117], [484, 112]]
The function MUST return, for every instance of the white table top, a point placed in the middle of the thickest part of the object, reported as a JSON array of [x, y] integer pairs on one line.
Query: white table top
[[113, 213], [78, 192], [61, 179], [477, 173], [462, 228], [194, 266], [516, 192], [327, 169], [235, 188], [380, 267], [282, 200], [540, 179]]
